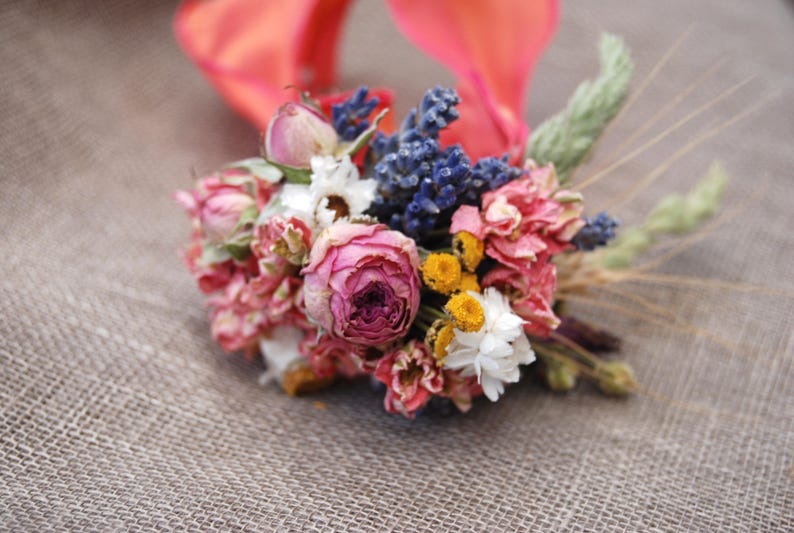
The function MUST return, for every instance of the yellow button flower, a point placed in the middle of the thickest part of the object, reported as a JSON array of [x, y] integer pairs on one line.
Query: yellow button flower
[[466, 312], [441, 272], [469, 249], [468, 282], [445, 336]]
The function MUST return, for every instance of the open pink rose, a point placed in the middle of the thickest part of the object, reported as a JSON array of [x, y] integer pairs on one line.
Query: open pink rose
[[362, 283], [411, 377]]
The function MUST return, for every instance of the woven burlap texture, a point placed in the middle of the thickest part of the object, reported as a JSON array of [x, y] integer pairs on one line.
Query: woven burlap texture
[[117, 411]]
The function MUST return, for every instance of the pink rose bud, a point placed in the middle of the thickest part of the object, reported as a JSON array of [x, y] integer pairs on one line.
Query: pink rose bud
[[221, 212], [296, 133]]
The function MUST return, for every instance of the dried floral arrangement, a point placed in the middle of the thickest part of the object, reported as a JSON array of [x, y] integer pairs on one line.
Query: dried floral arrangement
[[438, 269]]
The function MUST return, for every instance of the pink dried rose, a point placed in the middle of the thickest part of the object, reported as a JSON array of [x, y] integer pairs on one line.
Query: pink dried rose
[[296, 133], [362, 283], [217, 202], [411, 377], [524, 218], [329, 356], [531, 293]]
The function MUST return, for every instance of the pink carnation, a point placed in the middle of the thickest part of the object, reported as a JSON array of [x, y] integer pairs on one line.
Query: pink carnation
[[524, 218], [237, 317], [329, 356], [362, 283], [262, 293], [279, 241], [461, 390], [247, 308], [531, 293], [411, 378], [211, 277]]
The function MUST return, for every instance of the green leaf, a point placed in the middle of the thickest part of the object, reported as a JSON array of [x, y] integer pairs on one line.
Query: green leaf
[[213, 253], [247, 217], [566, 138], [361, 141], [301, 176], [240, 249], [257, 167], [274, 207]]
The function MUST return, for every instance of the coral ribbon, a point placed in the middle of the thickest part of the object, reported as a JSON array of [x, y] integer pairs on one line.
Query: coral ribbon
[[250, 50]]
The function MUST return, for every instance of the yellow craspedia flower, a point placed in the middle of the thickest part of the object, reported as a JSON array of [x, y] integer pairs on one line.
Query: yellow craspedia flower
[[469, 249], [444, 337], [466, 312], [468, 282], [441, 272]]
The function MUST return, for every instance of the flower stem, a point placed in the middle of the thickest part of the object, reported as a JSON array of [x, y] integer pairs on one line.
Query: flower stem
[[545, 351], [432, 312], [591, 359], [422, 324]]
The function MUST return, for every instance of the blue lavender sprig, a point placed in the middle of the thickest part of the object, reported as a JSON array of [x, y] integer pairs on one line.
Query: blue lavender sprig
[[436, 111], [350, 117], [419, 184], [597, 231], [399, 174], [488, 174], [438, 192]]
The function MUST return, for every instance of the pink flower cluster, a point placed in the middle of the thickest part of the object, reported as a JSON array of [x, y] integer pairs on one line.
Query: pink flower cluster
[[523, 224]]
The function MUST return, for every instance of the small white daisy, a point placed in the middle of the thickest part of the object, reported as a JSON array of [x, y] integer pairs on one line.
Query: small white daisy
[[335, 192], [494, 352]]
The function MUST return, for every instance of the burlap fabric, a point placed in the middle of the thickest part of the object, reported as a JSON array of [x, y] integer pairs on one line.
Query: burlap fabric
[[117, 411]]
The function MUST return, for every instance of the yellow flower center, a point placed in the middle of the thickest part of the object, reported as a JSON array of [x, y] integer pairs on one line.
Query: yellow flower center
[[338, 205], [444, 337], [469, 249], [468, 282], [441, 272], [466, 312]]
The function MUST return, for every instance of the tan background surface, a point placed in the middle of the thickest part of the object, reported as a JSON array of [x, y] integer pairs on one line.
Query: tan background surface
[[117, 411]]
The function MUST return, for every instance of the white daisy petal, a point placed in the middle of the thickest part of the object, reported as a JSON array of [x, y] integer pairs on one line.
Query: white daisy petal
[[336, 191], [493, 353]]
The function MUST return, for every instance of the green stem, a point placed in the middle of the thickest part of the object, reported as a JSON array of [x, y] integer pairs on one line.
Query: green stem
[[545, 351], [432, 312], [580, 351]]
